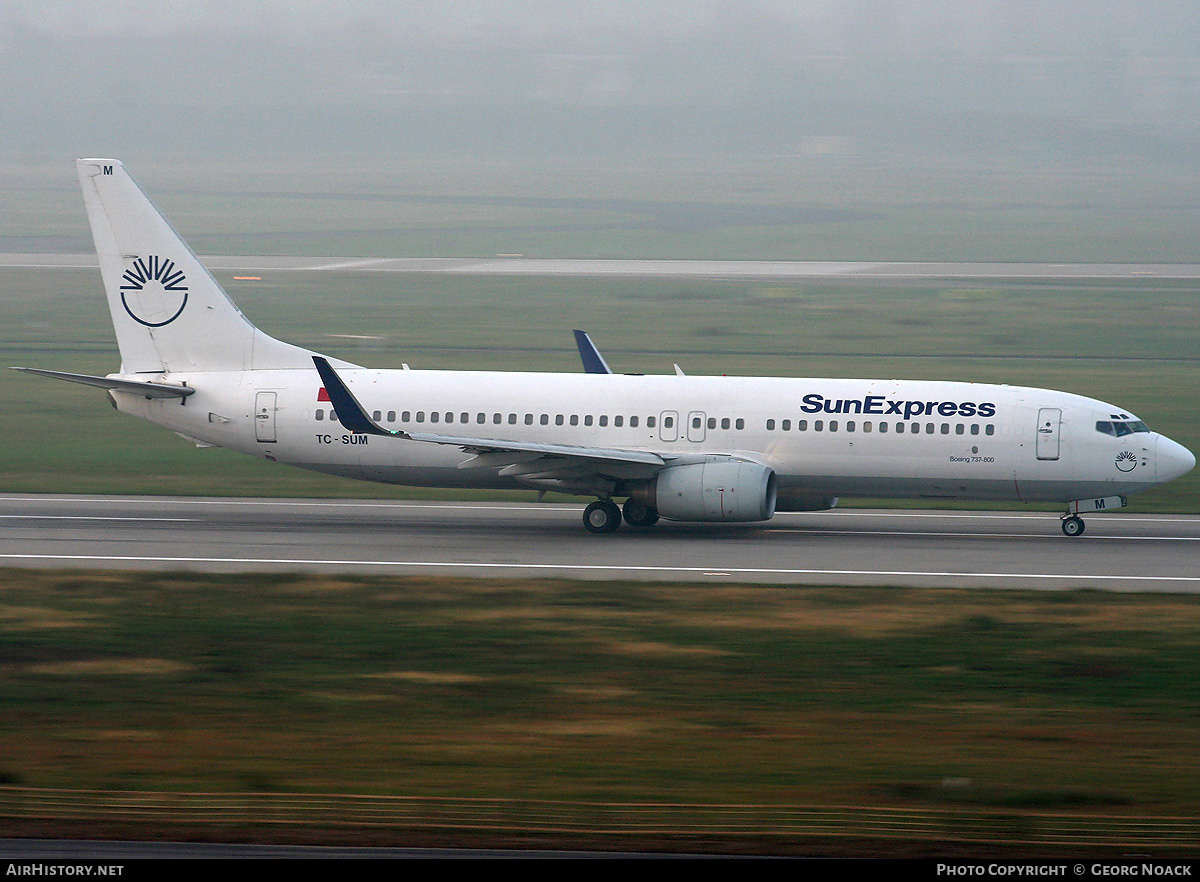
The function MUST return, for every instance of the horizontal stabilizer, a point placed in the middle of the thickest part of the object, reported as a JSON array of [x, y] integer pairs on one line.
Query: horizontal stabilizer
[[137, 387]]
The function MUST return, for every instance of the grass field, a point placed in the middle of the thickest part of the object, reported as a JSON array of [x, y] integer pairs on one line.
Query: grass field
[[1071, 702]]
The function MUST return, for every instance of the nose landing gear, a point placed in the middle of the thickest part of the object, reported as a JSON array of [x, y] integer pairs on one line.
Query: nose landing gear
[[1072, 525]]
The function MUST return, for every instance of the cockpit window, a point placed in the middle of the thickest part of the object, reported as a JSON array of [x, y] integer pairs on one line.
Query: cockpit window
[[1121, 429]]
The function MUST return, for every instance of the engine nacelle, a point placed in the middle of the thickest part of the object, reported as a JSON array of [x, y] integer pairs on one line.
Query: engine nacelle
[[792, 501], [724, 490]]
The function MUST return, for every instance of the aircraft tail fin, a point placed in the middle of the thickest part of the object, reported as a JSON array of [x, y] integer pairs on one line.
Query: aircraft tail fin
[[168, 311]]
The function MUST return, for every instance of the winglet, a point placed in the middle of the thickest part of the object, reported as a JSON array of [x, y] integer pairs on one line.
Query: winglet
[[349, 412], [593, 361]]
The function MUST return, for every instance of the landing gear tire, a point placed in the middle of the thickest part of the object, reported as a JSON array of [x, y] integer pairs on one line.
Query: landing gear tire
[[602, 516], [1073, 526], [638, 514]]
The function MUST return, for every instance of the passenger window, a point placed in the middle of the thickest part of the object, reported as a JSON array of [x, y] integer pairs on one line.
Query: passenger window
[[989, 430], [695, 422], [786, 425], [833, 425], [319, 416], [574, 419], [818, 425], [740, 424], [958, 429], [603, 420], [618, 421], [464, 418], [883, 428], [529, 419], [544, 419], [376, 415], [633, 422], [512, 419], [668, 422], [434, 416], [945, 428], [333, 415], [449, 417], [481, 418], [770, 425], [391, 416], [558, 419], [587, 420], [801, 425], [650, 422], [497, 418], [867, 426], [974, 428], [849, 425], [406, 416], [712, 422], [929, 428]]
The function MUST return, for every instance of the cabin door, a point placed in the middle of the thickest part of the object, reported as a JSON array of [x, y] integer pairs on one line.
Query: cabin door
[[1049, 423], [264, 417]]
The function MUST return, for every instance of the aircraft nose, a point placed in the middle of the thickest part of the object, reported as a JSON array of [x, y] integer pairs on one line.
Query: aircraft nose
[[1172, 460]]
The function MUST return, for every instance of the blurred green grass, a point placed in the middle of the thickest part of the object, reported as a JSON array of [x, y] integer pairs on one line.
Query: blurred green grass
[[600, 690]]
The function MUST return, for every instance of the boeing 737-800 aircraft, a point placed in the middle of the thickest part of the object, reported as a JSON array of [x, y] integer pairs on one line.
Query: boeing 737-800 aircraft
[[685, 448]]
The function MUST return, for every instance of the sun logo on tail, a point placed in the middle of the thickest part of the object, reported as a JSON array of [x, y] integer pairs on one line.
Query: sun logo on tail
[[154, 293]]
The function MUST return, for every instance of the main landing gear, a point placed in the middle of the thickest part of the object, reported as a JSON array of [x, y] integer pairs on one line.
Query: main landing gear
[[603, 515], [1072, 525], [638, 514]]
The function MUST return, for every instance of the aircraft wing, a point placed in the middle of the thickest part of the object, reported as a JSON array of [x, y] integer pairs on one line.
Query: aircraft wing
[[137, 387], [496, 452]]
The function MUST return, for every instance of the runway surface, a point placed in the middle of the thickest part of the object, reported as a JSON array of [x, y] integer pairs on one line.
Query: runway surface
[[717, 269], [1120, 552]]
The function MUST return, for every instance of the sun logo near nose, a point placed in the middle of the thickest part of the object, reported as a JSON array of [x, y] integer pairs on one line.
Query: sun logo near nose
[[154, 293], [1126, 461]]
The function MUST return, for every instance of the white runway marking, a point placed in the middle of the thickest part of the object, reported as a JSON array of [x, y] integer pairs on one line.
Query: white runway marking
[[33, 517], [1049, 535], [601, 568]]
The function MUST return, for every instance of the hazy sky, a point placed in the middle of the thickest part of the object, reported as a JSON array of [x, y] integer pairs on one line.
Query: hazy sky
[[498, 76]]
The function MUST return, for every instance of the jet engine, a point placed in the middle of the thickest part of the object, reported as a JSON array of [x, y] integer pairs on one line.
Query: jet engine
[[719, 490]]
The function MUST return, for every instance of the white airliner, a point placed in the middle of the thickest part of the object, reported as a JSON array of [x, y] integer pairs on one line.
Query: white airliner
[[686, 448]]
